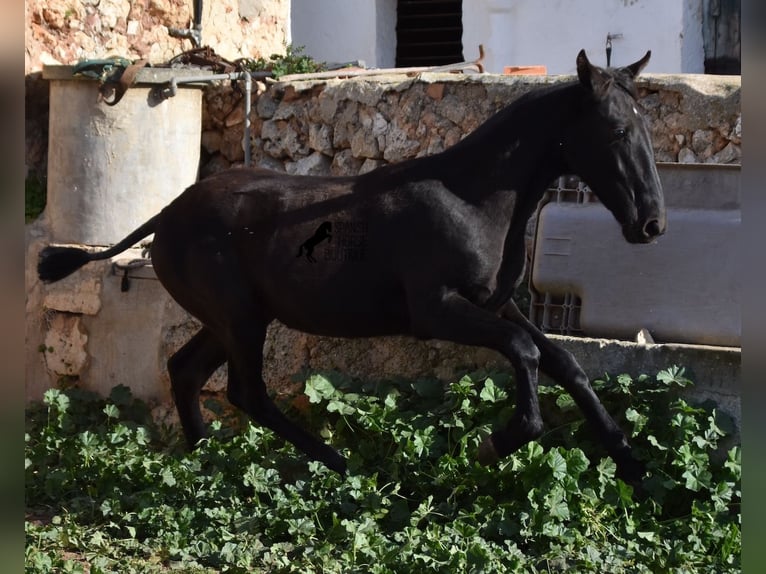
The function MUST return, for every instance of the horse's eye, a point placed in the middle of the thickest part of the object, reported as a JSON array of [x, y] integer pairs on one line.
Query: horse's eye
[[620, 134]]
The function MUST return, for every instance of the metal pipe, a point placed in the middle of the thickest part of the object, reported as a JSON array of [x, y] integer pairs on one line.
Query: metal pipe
[[248, 106], [172, 89]]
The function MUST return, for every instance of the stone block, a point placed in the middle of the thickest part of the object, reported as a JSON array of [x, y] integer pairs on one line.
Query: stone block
[[314, 164], [65, 352]]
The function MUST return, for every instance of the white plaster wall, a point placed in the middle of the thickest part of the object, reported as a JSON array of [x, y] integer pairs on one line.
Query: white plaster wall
[[551, 32], [516, 32], [346, 30]]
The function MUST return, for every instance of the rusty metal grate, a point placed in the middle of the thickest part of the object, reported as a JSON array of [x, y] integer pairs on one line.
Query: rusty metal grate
[[554, 313]]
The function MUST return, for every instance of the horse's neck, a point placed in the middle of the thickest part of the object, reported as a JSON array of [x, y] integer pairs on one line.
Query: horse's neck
[[517, 150]]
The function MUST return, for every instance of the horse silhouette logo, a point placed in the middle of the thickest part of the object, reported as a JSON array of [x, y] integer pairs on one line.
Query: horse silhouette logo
[[323, 232]]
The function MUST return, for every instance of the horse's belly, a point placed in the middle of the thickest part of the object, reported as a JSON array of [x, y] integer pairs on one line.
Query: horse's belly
[[342, 308]]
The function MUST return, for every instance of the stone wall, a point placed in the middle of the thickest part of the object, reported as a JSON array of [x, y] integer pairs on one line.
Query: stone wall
[[66, 32], [344, 127], [85, 328]]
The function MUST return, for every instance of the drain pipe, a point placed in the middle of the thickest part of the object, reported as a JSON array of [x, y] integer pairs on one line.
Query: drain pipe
[[172, 88], [195, 32], [248, 105]]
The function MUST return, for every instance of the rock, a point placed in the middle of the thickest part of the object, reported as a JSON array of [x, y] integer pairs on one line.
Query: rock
[[365, 145], [78, 293], [236, 116], [736, 132], [280, 140], [398, 145], [65, 345], [702, 142], [214, 165], [315, 164], [344, 163], [371, 164], [320, 139], [211, 140], [231, 144], [345, 126], [729, 154], [687, 156]]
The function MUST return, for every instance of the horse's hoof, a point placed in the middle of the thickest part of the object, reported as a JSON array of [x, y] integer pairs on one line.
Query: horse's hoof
[[337, 463], [631, 471], [487, 454]]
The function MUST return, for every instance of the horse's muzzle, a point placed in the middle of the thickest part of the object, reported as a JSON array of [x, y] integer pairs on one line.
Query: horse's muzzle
[[645, 231]]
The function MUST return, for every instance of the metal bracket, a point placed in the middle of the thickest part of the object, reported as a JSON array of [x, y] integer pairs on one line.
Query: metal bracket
[[126, 268]]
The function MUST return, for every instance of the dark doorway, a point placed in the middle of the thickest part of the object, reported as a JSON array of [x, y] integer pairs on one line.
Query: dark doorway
[[721, 36], [429, 32]]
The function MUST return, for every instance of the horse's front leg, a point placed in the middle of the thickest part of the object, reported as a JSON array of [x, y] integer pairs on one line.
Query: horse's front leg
[[451, 317], [562, 367]]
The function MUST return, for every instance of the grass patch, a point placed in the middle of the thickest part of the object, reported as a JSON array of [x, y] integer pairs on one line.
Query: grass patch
[[107, 490]]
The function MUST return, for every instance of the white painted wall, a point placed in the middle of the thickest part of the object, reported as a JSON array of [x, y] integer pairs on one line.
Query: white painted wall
[[551, 32], [516, 32], [346, 30]]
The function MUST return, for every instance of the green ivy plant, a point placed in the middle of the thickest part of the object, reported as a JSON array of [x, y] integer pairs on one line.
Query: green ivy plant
[[108, 490], [293, 61]]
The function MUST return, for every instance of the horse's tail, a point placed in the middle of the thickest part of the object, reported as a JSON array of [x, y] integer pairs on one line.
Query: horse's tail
[[300, 250], [57, 262]]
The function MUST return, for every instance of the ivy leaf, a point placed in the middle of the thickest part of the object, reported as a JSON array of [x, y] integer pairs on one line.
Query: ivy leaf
[[168, 478], [639, 421], [318, 388], [674, 376], [491, 392], [341, 407], [565, 402], [558, 464], [111, 411], [556, 504], [577, 462]]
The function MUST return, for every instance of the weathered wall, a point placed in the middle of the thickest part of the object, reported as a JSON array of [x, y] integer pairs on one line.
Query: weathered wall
[[65, 32], [338, 127], [343, 127]]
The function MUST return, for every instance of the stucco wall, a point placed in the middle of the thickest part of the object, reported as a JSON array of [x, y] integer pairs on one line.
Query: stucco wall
[[346, 30], [519, 32], [547, 32]]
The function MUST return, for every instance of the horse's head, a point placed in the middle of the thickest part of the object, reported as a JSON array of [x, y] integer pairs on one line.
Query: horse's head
[[609, 147]]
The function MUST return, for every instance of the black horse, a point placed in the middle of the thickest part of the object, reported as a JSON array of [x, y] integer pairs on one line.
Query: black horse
[[443, 241]]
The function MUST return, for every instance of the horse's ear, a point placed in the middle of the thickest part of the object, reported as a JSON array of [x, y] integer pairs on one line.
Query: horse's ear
[[584, 69], [592, 77], [636, 67]]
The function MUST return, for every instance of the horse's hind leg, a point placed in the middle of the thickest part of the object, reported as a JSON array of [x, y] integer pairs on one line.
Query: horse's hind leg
[[189, 369], [247, 391], [562, 367]]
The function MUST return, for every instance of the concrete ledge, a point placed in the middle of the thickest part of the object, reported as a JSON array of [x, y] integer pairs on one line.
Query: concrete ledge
[[715, 371]]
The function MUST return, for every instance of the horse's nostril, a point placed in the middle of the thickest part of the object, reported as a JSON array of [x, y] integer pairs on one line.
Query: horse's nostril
[[652, 228]]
